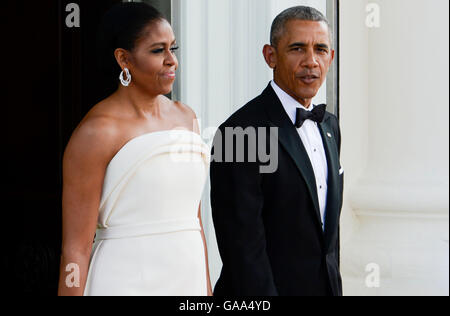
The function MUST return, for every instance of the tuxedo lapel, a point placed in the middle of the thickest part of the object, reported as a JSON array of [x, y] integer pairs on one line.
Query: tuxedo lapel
[[331, 150], [291, 142]]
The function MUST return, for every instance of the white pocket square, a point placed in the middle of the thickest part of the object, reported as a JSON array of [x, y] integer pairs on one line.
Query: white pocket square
[[341, 171]]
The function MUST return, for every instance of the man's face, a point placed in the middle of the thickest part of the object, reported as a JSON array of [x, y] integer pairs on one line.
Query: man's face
[[301, 59]]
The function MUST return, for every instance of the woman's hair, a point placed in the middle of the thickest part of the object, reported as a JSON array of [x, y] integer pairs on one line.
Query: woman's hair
[[121, 27]]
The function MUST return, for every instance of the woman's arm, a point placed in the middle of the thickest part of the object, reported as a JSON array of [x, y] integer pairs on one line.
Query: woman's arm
[[84, 165], [192, 118], [208, 278]]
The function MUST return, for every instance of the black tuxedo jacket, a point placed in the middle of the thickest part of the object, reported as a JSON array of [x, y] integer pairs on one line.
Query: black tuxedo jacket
[[268, 226]]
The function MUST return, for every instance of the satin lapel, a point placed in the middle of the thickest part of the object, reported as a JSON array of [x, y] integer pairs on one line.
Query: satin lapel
[[291, 142], [331, 213]]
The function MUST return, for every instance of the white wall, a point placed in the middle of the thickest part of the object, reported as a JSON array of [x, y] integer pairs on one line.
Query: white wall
[[354, 115], [394, 107]]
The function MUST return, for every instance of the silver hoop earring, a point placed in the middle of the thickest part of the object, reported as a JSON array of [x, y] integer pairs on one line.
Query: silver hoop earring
[[126, 82]]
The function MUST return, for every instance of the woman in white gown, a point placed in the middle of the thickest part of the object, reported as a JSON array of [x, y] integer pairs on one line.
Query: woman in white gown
[[134, 172]]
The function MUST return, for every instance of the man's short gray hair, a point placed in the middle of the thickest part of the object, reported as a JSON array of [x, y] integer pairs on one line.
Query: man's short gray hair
[[302, 13]]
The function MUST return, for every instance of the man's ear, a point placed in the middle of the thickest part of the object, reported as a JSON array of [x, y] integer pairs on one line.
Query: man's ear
[[333, 54], [122, 58], [270, 55]]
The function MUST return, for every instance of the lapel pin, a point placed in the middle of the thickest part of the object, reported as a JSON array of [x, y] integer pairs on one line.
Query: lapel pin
[[329, 135]]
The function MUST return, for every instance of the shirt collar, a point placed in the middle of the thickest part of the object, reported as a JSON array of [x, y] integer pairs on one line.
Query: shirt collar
[[289, 103]]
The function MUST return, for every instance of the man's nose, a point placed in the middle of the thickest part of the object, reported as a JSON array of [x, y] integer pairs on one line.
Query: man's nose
[[310, 60]]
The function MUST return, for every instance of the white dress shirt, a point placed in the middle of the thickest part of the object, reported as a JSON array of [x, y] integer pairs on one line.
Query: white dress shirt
[[312, 140]]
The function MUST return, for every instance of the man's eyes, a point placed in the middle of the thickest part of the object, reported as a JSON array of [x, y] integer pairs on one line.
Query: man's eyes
[[320, 50]]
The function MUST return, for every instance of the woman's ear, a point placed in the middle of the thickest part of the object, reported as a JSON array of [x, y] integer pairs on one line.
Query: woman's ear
[[122, 58], [270, 55]]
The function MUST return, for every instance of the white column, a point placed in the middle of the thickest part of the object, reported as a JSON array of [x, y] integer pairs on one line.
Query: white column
[[401, 198]]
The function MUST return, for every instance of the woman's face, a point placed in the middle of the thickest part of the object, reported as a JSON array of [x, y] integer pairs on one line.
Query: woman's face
[[153, 60]]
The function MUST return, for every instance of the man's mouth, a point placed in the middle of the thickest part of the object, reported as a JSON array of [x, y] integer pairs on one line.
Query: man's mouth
[[309, 79]]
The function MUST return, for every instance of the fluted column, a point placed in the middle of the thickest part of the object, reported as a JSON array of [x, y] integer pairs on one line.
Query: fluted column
[[401, 198]]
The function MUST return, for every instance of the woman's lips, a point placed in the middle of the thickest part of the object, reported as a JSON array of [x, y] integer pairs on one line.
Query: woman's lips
[[170, 75]]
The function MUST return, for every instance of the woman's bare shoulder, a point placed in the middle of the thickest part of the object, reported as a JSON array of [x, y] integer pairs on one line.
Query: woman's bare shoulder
[[188, 115], [97, 136], [185, 108]]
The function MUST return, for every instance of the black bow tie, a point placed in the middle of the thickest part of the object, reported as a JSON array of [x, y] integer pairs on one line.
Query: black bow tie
[[316, 115]]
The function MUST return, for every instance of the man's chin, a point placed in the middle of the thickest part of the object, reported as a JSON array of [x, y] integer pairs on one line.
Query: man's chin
[[306, 95]]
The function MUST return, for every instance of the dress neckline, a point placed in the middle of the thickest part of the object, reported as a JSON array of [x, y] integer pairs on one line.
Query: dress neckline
[[136, 138]]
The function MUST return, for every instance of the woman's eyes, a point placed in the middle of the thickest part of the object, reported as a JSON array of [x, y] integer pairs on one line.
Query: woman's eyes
[[161, 50]]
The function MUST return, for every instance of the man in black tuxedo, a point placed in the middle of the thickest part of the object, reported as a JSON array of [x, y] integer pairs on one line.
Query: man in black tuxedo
[[278, 231]]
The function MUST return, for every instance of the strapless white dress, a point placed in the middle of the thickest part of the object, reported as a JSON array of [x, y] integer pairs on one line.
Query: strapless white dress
[[148, 241]]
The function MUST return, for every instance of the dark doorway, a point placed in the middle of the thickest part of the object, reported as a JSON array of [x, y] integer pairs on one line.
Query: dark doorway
[[49, 83]]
